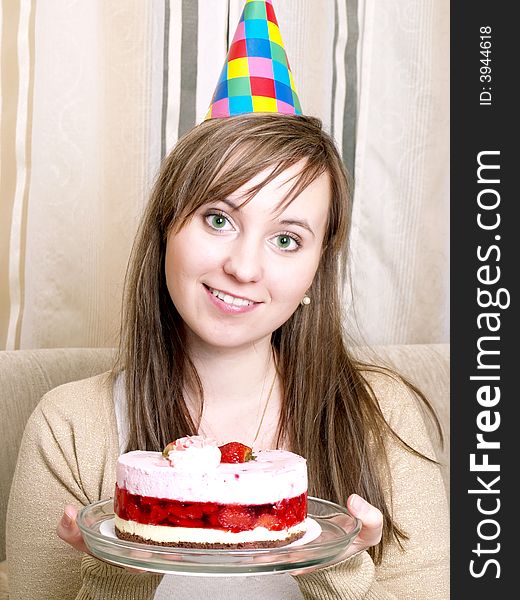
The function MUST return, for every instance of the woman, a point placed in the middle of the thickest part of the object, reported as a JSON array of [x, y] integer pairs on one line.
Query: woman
[[233, 289]]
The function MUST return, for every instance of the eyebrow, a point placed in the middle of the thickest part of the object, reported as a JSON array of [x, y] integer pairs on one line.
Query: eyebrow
[[229, 203], [299, 222]]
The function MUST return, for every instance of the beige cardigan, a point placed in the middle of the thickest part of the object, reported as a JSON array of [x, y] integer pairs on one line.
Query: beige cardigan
[[68, 456]]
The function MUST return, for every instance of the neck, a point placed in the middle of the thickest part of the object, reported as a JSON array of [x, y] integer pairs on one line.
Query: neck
[[238, 405], [233, 375]]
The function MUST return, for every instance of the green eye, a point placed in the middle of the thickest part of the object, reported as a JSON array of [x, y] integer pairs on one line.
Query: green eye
[[218, 221], [286, 242]]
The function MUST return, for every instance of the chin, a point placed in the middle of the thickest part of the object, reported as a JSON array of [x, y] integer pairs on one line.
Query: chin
[[231, 344], [225, 340]]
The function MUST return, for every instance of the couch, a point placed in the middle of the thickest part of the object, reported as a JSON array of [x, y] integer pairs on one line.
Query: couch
[[26, 375]]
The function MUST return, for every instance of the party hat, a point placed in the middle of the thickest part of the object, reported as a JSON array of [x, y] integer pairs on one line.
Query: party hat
[[256, 76]]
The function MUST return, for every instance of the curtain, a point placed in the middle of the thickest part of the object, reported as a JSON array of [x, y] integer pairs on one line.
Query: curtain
[[95, 92]]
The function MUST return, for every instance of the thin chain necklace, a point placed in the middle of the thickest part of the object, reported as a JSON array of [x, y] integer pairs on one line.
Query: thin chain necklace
[[266, 405], [267, 400]]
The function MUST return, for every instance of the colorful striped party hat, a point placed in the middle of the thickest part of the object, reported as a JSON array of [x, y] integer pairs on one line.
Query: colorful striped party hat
[[256, 76]]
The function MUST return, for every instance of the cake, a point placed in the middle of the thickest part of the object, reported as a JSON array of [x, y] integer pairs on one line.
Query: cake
[[198, 495]]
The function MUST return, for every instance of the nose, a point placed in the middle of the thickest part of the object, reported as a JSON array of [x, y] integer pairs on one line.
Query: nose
[[244, 261]]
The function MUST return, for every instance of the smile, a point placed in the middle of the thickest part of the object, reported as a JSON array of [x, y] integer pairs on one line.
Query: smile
[[228, 299]]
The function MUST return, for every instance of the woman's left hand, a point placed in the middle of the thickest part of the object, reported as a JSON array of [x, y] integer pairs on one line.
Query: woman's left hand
[[371, 529], [371, 524]]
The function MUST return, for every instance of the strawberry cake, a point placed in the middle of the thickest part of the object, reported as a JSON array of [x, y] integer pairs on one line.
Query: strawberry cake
[[198, 495]]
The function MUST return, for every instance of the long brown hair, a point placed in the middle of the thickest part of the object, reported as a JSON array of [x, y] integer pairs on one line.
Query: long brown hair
[[325, 398]]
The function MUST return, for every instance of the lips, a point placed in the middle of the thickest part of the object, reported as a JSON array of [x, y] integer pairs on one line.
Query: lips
[[230, 298]]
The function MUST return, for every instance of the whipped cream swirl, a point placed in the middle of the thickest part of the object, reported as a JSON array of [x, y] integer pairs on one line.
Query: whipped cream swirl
[[194, 453]]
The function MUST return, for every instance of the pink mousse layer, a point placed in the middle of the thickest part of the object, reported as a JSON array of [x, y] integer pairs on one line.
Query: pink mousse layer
[[274, 475]]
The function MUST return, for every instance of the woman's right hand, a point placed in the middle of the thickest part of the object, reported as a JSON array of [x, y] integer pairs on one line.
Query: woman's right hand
[[69, 531]]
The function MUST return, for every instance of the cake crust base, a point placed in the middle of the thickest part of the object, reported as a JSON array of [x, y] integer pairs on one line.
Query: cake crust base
[[129, 537]]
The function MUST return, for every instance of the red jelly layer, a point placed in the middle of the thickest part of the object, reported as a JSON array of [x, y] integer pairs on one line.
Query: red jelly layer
[[209, 515]]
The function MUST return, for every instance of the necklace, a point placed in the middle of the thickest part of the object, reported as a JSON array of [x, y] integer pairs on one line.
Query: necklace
[[264, 412], [265, 406]]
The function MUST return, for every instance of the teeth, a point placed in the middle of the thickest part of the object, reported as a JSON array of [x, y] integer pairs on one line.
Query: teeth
[[228, 299]]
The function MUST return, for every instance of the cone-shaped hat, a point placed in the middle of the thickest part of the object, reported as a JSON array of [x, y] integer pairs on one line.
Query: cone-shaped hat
[[256, 76]]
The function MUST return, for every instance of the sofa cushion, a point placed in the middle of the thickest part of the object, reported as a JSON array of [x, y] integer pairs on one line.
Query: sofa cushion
[[4, 592]]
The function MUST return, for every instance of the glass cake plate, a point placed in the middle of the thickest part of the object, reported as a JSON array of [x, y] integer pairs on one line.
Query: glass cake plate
[[330, 531]]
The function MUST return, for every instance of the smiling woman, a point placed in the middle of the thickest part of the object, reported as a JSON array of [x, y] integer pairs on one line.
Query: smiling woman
[[249, 214], [232, 328], [238, 263]]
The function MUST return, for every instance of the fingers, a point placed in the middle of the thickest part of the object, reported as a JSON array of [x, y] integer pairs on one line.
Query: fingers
[[69, 531], [370, 534], [371, 519]]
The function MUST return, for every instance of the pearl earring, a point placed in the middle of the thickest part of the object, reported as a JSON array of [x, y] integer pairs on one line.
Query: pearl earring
[[305, 300]]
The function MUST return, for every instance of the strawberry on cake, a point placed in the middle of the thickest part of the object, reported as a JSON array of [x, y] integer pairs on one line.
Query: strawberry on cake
[[196, 494]]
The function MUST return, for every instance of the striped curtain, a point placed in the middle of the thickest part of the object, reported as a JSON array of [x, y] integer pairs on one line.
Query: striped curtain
[[95, 92]]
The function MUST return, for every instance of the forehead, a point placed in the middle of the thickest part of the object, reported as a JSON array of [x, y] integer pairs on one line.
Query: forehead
[[282, 194]]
